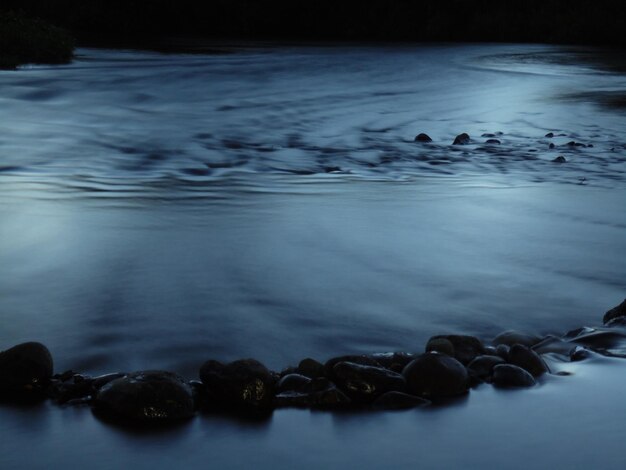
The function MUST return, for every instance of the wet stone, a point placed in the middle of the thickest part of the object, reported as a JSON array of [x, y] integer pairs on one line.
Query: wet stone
[[398, 401], [311, 368], [146, 397], [329, 397], [461, 139], [527, 359], [511, 337], [502, 350], [294, 383], [356, 359], [466, 347], [615, 312], [245, 385], [551, 146], [364, 383], [440, 345], [435, 375], [509, 375], [25, 371], [423, 138], [549, 135], [394, 361], [482, 366], [560, 159], [493, 141], [579, 354], [488, 135]]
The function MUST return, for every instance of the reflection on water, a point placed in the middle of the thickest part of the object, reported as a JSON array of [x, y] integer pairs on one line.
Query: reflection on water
[[159, 210]]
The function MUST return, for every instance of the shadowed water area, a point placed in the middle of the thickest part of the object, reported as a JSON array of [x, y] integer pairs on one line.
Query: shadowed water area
[[158, 210]]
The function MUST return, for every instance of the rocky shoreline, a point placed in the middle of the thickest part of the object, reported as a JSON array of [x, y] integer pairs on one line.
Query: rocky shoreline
[[450, 366]]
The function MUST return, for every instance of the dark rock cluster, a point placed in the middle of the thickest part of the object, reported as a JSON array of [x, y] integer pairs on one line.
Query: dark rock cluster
[[450, 366]]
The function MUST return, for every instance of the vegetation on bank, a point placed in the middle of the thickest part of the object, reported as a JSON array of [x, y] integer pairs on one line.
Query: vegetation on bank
[[25, 40], [552, 21]]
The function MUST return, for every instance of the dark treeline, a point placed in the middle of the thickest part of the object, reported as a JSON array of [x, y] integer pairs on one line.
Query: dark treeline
[[556, 21]]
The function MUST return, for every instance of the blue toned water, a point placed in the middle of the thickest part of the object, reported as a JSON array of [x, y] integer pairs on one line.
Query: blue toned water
[[160, 210]]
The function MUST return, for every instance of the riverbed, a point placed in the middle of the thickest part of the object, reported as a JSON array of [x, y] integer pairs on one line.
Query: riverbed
[[158, 210]]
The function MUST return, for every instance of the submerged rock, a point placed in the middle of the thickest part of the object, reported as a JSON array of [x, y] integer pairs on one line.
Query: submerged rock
[[398, 401], [560, 159], [461, 139], [466, 347], [364, 383], [511, 337], [493, 141], [146, 397], [615, 312], [25, 371], [509, 375], [549, 135], [527, 359], [423, 138], [246, 385], [436, 375]]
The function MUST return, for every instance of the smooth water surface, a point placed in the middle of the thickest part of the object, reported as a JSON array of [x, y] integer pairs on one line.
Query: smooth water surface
[[160, 210]]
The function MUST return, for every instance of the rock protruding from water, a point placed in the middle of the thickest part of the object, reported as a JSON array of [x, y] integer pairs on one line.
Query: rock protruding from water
[[466, 347], [146, 397], [461, 139], [493, 141], [356, 359], [511, 337], [423, 138], [615, 312], [311, 368], [560, 159], [509, 375], [245, 385], [550, 135], [434, 375], [398, 401], [527, 359], [482, 366], [25, 371], [364, 383]]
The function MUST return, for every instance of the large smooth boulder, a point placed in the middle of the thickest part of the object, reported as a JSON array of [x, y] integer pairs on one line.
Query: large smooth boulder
[[364, 383], [354, 358], [615, 312], [461, 139], [509, 375], [25, 371], [146, 397], [482, 366], [527, 359], [511, 337], [434, 375], [245, 385], [466, 348], [398, 401]]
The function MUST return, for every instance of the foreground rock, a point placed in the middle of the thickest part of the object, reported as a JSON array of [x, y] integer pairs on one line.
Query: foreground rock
[[615, 312], [25, 371], [465, 347], [398, 401], [508, 375], [461, 139], [146, 397], [364, 383], [527, 359], [511, 337], [245, 385], [482, 366], [434, 375]]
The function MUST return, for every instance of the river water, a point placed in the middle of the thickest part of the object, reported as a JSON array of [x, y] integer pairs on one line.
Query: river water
[[158, 210]]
